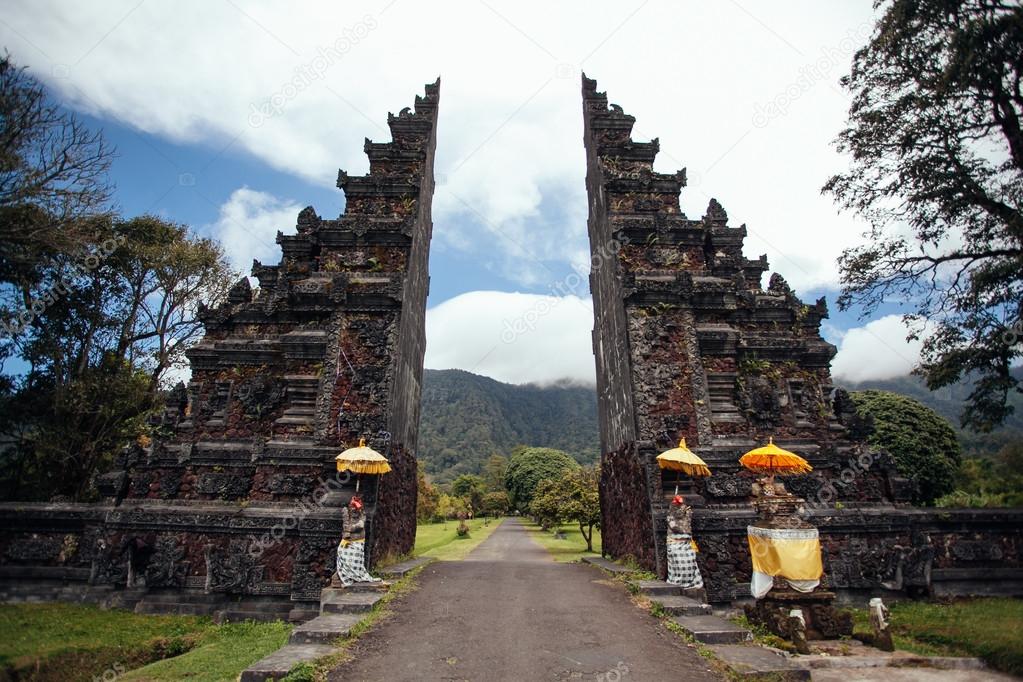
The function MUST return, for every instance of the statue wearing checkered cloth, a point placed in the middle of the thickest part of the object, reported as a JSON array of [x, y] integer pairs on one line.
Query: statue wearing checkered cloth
[[351, 552], [682, 568]]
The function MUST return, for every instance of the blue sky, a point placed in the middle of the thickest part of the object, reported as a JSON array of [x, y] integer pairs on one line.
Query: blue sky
[[743, 94]]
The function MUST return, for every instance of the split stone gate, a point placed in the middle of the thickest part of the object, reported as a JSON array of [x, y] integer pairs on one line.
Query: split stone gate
[[233, 506]]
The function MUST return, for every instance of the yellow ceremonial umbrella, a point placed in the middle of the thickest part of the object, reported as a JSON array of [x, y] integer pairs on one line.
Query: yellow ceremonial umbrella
[[771, 459], [682, 459], [362, 460]]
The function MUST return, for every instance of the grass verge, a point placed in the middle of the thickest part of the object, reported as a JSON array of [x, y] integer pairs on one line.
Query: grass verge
[[63, 642], [222, 654], [441, 541], [569, 547], [986, 628]]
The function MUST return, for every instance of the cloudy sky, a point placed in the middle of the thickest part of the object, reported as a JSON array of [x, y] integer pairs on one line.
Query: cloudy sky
[[231, 116]]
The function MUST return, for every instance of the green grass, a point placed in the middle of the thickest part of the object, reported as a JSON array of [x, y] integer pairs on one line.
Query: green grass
[[570, 548], [441, 541], [78, 642], [989, 629], [222, 654]]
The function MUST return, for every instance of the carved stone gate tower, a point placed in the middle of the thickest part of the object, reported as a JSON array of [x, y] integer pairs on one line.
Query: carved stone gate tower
[[237, 494], [688, 343]]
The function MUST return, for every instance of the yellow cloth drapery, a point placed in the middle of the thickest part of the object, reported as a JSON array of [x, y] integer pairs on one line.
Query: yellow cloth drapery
[[792, 553]]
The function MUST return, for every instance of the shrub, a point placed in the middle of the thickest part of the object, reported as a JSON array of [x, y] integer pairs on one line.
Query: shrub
[[922, 442]]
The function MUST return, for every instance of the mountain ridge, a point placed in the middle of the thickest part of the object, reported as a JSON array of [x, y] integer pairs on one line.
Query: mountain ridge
[[468, 417]]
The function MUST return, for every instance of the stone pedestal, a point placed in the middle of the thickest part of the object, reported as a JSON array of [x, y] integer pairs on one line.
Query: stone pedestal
[[823, 620]]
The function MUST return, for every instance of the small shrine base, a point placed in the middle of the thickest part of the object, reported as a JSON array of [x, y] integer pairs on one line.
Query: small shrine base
[[823, 620]]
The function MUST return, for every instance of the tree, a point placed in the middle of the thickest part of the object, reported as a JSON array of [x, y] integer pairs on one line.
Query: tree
[[922, 442], [573, 496], [470, 488], [104, 327], [545, 507], [496, 503], [451, 507], [494, 471], [427, 497], [937, 171], [529, 466], [53, 177]]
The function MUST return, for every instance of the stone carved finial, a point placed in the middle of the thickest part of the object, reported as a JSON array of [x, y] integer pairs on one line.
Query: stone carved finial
[[307, 218], [342, 178], [778, 285], [241, 292], [715, 213]]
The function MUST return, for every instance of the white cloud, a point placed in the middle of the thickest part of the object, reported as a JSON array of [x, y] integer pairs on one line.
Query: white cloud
[[512, 337], [510, 117], [877, 350], [248, 224]]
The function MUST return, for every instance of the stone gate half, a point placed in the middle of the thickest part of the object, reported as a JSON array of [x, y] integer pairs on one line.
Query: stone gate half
[[689, 344], [237, 493]]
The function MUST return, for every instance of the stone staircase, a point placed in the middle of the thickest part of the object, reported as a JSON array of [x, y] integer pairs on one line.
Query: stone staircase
[[689, 611], [686, 608], [340, 611]]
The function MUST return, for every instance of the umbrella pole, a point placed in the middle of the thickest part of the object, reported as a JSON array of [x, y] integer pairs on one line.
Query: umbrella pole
[[676, 487], [357, 479]]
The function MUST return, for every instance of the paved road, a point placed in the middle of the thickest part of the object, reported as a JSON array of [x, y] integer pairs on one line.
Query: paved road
[[508, 612]]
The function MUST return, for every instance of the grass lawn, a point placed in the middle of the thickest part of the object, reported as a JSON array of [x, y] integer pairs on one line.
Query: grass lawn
[[570, 548], [990, 629], [441, 541], [79, 642], [222, 654]]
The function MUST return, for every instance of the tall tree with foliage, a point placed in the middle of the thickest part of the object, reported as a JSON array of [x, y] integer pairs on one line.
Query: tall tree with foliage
[[573, 496], [529, 466], [53, 178], [935, 137], [111, 324], [922, 442]]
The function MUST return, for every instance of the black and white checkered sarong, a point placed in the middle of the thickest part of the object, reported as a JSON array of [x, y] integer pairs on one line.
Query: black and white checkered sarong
[[682, 568], [351, 563]]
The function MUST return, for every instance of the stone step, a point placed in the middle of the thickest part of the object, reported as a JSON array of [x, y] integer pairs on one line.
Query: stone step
[[276, 665], [750, 662], [405, 567], [606, 564], [349, 602], [324, 629], [656, 587], [300, 615], [677, 605], [712, 629]]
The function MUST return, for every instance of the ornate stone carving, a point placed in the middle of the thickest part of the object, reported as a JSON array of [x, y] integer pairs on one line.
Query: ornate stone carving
[[165, 566], [227, 486], [232, 569], [260, 394], [728, 485]]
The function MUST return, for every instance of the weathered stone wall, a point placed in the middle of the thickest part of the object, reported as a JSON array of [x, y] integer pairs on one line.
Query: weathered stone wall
[[689, 344], [237, 493]]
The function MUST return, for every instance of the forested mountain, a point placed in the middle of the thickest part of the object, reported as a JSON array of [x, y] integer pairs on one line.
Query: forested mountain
[[467, 417]]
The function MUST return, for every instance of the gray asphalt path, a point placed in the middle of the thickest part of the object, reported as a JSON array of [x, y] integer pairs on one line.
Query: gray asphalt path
[[508, 612]]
